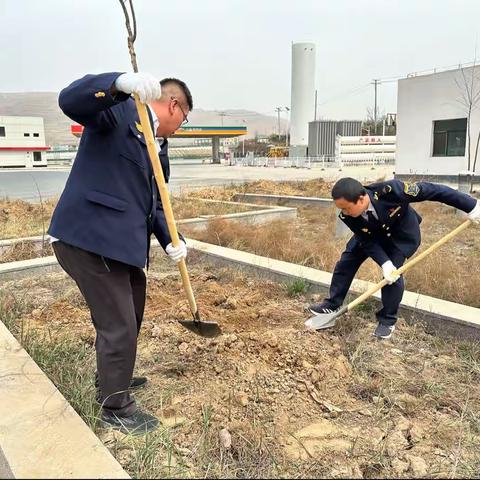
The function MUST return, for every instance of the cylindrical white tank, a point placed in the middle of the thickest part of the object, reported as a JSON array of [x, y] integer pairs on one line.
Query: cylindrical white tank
[[303, 92]]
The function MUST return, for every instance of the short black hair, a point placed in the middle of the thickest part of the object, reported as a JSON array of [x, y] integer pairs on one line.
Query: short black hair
[[349, 189], [183, 87]]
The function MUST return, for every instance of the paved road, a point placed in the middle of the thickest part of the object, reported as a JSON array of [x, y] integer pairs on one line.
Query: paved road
[[29, 184]]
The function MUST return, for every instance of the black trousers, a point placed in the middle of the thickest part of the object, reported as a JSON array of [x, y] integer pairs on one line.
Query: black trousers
[[115, 294], [345, 270]]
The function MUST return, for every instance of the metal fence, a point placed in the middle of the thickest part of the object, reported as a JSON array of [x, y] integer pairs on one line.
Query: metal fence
[[322, 162]]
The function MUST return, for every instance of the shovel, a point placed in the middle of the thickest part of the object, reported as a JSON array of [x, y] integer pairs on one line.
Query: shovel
[[327, 320], [197, 325]]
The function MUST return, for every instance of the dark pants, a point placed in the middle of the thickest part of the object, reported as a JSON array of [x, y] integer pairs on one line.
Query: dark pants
[[115, 295], [345, 270]]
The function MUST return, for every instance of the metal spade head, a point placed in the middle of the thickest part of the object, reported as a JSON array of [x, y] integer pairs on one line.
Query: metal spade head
[[321, 321], [200, 327]]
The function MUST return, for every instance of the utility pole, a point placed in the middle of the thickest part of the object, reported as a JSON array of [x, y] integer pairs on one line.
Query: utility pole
[[288, 125], [278, 109], [222, 114], [375, 83]]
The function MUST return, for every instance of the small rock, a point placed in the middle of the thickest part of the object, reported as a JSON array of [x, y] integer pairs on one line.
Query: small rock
[[396, 442], [183, 347], [241, 399], [36, 312], [231, 304], [156, 332], [218, 369], [399, 467], [418, 466], [301, 387], [225, 439], [406, 401], [219, 300], [170, 418], [366, 412], [416, 434]]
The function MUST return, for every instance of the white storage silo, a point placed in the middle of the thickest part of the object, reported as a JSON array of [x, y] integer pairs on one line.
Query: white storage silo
[[303, 96]]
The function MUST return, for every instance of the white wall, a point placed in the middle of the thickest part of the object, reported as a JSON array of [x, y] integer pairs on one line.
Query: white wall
[[15, 130], [421, 101]]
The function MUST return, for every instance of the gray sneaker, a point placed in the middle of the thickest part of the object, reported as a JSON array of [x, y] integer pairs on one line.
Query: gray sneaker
[[384, 331]]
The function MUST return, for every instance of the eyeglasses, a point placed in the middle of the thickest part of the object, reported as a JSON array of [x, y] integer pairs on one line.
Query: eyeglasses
[[185, 119]]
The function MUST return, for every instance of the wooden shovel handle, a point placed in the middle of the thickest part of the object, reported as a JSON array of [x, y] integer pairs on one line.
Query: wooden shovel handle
[[164, 195], [409, 264]]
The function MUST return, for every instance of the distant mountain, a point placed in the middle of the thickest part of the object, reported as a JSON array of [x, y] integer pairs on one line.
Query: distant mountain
[[57, 125]]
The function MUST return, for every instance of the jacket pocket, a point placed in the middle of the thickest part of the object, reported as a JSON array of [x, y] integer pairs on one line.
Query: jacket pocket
[[135, 148], [107, 200]]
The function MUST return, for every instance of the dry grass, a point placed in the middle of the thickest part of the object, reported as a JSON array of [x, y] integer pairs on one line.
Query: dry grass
[[309, 188], [24, 219], [26, 250]]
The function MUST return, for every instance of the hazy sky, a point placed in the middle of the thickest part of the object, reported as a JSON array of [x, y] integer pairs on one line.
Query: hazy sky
[[237, 53]]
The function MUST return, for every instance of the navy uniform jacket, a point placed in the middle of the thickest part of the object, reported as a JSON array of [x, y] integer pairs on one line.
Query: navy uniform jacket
[[398, 222], [110, 204]]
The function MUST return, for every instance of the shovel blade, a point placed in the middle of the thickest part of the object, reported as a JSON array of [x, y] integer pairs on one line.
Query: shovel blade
[[204, 329], [321, 321]]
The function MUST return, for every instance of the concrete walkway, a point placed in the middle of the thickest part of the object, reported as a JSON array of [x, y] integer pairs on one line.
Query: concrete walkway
[[41, 435]]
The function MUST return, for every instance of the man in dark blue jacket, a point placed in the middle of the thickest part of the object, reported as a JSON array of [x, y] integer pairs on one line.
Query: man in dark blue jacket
[[103, 222], [387, 229]]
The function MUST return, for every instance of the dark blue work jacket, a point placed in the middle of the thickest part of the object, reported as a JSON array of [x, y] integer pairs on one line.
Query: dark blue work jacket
[[110, 205], [397, 221]]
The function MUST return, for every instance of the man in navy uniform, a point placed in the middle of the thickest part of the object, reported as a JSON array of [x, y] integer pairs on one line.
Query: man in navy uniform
[[102, 224], [387, 229]]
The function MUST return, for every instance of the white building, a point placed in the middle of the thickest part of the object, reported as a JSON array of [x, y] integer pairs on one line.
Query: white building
[[22, 142], [432, 130]]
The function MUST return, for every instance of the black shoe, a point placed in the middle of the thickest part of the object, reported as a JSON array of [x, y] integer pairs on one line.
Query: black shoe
[[318, 308], [137, 424], [384, 331]]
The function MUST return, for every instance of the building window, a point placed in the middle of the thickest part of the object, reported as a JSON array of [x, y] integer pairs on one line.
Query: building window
[[449, 137], [36, 134], [2, 131], [37, 156], [26, 134]]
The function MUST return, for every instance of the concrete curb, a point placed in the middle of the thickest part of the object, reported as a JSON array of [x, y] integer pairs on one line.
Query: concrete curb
[[41, 436], [290, 200]]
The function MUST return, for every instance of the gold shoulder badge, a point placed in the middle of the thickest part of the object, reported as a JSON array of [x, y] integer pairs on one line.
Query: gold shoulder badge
[[139, 127], [365, 230], [375, 195], [341, 216], [387, 189], [99, 94], [411, 189]]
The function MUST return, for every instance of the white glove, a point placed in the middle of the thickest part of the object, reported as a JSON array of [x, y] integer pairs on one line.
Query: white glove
[[146, 86], [474, 215], [388, 269], [177, 253]]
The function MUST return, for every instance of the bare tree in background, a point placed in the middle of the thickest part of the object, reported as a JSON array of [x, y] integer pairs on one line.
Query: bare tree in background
[[469, 88]]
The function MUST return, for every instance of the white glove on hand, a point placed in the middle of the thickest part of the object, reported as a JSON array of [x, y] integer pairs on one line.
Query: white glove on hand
[[474, 215], [177, 253], [388, 269], [146, 86]]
